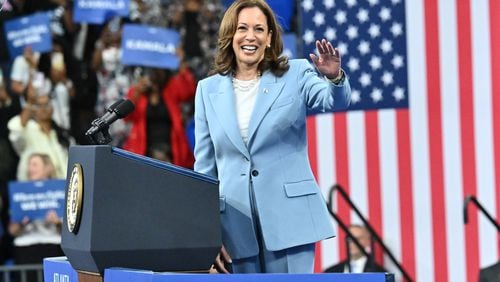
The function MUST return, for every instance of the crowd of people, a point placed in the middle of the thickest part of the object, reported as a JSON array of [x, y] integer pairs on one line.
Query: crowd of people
[[48, 100]]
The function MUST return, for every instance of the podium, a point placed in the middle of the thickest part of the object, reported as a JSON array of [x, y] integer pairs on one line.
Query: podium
[[129, 211]]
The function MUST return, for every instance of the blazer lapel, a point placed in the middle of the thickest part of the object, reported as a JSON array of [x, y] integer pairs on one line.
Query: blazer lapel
[[269, 90], [224, 106]]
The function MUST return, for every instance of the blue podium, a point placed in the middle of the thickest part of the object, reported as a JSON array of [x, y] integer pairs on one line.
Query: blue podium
[[59, 270]]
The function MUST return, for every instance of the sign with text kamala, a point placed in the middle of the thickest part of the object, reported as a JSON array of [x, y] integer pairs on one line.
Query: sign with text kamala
[[33, 199], [32, 30], [149, 46], [98, 11]]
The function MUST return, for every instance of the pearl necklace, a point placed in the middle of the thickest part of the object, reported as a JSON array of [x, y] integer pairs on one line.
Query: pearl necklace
[[245, 85]]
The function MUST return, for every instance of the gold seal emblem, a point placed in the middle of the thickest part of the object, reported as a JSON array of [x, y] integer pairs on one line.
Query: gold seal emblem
[[74, 198]]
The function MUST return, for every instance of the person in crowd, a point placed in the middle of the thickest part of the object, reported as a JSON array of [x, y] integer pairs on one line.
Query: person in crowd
[[490, 273], [59, 85], [250, 129], [40, 167], [358, 262], [25, 72], [10, 9], [9, 107], [84, 80], [197, 22], [35, 239], [157, 126], [113, 77], [33, 130], [148, 12]]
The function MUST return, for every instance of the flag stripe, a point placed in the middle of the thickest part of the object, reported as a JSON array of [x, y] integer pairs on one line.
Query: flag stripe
[[342, 174], [326, 178], [451, 139], [373, 170], [467, 131], [313, 160], [356, 151], [435, 140], [424, 269], [389, 181], [494, 18], [406, 191], [483, 128]]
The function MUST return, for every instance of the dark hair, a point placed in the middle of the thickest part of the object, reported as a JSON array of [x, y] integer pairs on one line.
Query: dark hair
[[225, 61], [63, 135]]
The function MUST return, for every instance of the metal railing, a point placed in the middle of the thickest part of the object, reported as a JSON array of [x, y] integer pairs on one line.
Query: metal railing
[[20, 273], [472, 199], [371, 230]]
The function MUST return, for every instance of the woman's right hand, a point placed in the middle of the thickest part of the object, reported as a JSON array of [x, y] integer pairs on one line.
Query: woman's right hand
[[141, 86], [15, 228], [52, 217], [221, 261], [30, 57]]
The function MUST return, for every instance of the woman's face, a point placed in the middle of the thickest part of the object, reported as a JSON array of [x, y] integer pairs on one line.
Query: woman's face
[[251, 37], [37, 170], [43, 109]]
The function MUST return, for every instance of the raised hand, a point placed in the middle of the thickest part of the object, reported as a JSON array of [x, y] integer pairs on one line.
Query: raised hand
[[328, 61]]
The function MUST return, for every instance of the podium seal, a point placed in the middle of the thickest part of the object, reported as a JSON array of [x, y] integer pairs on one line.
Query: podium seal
[[74, 199]]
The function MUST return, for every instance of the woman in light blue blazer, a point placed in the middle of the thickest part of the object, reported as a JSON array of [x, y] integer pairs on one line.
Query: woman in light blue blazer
[[250, 130]]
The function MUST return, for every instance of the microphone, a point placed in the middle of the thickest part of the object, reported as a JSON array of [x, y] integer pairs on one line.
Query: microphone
[[117, 110]]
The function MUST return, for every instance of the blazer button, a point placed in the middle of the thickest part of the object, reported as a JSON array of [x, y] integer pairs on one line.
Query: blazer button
[[255, 172]]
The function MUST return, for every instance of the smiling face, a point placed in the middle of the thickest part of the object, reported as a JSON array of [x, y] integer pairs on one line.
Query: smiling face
[[363, 238], [43, 109], [38, 169], [251, 38]]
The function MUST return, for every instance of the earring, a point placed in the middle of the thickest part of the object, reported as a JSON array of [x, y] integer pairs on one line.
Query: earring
[[269, 46]]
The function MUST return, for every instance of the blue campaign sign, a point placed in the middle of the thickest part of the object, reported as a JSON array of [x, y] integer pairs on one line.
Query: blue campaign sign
[[33, 199], [98, 11], [290, 45], [282, 8], [149, 46], [32, 30]]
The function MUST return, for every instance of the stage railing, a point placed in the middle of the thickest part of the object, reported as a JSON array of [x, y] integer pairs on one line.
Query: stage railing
[[19, 273], [376, 238], [473, 199]]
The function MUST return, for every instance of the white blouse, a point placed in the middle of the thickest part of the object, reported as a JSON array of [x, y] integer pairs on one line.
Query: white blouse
[[245, 92]]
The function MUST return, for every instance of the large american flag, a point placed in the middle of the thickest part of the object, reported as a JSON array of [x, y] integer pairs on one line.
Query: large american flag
[[424, 131]]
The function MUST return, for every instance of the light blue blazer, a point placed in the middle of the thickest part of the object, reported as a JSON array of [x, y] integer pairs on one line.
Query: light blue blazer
[[275, 164]]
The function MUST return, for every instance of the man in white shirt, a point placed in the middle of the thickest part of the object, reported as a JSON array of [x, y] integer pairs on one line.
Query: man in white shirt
[[24, 69], [359, 263]]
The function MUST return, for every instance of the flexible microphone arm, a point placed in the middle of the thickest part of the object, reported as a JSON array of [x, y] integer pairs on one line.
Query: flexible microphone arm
[[98, 133], [101, 137]]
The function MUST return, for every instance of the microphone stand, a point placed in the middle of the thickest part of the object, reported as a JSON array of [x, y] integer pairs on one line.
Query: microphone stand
[[98, 134], [101, 136]]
